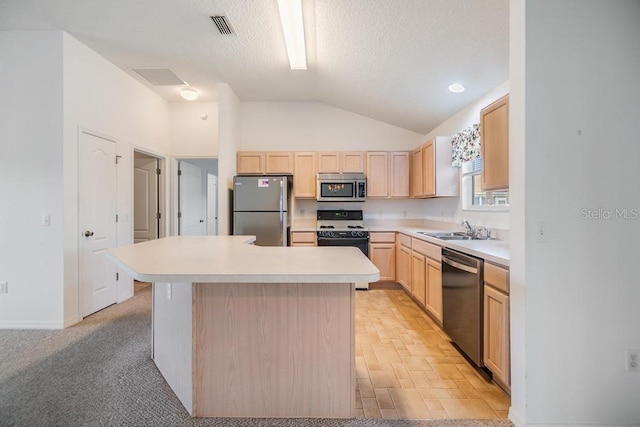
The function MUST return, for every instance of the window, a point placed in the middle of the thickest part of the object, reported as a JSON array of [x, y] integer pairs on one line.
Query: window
[[473, 198]]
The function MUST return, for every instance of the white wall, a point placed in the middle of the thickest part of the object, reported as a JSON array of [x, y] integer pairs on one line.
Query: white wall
[[517, 262], [462, 120], [100, 97], [314, 126], [228, 145], [194, 129], [31, 178], [581, 144]]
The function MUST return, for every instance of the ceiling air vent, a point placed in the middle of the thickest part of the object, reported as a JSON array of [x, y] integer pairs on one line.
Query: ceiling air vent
[[223, 24]]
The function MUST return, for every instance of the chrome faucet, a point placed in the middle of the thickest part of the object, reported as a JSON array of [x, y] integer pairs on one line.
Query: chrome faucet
[[470, 229]]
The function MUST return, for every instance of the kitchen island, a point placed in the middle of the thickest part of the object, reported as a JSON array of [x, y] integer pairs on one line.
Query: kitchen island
[[247, 331]]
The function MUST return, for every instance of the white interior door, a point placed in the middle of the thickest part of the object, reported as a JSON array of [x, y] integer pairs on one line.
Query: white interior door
[[212, 205], [97, 220], [145, 199], [192, 200]]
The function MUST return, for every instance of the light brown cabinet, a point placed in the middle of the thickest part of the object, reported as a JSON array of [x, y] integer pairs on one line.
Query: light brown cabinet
[[382, 254], [403, 258], [341, 162], [388, 174], [496, 353], [250, 163], [434, 289], [494, 145], [264, 162], [303, 238], [427, 256], [417, 190], [304, 178], [418, 277], [432, 174]]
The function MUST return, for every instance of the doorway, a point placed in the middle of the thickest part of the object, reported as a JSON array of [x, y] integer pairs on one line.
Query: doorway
[[148, 199], [197, 197]]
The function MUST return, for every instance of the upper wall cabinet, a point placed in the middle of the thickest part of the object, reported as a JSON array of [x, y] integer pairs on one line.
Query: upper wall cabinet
[[264, 162], [304, 178], [432, 174], [494, 131], [341, 162], [388, 174]]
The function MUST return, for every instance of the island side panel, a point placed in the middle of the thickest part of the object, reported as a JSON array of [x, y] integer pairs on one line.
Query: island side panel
[[172, 337], [274, 350]]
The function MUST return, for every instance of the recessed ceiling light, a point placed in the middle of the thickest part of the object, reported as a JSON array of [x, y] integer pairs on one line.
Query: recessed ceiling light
[[189, 93], [456, 88]]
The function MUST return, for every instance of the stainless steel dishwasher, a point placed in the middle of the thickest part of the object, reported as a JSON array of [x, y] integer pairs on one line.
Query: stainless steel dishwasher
[[462, 302]]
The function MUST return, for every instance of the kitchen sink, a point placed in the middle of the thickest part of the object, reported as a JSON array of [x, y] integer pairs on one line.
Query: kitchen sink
[[449, 235]]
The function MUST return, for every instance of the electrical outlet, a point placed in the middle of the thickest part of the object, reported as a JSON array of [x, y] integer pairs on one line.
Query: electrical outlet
[[301, 212], [404, 214], [4, 287], [632, 361], [46, 220], [169, 291]]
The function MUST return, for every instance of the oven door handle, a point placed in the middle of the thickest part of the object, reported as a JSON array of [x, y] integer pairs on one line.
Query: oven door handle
[[459, 266]]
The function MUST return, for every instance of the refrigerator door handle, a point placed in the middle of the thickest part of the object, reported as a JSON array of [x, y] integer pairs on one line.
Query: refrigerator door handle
[[281, 214]]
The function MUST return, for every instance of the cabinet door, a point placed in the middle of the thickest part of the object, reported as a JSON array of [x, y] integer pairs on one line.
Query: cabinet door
[[352, 162], [329, 162], [377, 174], [428, 170], [494, 128], [279, 162], [418, 279], [250, 163], [434, 289], [405, 259], [304, 178], [303, 238], [399, 174], [417, 189], [383, 256], [496, 334]]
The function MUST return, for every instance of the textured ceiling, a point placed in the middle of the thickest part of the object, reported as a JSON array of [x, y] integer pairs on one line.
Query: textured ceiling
[[390, 60]]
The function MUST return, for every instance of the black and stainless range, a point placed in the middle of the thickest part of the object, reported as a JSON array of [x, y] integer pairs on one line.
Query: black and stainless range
[[338, 227]]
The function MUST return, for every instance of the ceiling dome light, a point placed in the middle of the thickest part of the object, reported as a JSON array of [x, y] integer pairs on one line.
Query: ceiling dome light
[[456, 88], [189, 93]]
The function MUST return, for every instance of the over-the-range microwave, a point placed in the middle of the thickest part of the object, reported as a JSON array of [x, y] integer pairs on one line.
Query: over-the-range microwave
[[342, 187]]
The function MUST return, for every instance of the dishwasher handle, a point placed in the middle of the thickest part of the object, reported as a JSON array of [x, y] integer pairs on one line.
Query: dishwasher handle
[[459, 266]]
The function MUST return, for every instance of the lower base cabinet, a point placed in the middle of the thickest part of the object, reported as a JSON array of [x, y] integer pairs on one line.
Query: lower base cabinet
[[497, 353], [418, 277], [434, 289], [303, 238], [382, 253]]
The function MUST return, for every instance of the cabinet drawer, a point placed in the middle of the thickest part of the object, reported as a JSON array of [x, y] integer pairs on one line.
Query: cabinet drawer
[[497, 277], [432, 251], [379, 237], [303, 237], [404, 240]]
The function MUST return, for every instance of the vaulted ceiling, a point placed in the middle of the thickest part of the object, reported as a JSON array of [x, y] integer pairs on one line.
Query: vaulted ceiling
[[390, 60]]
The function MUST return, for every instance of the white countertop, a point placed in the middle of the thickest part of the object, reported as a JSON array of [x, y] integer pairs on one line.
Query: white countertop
[[233, 259], [494, 251]]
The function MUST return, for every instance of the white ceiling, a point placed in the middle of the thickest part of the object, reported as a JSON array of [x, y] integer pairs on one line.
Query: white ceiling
[[390, 60]]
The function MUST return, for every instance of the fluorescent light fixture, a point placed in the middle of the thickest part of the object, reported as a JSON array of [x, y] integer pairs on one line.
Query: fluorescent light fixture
[[293, 28], [456, 88], [189, 93]]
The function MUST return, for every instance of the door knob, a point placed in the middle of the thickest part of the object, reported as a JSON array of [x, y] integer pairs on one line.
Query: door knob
[[88, 233]]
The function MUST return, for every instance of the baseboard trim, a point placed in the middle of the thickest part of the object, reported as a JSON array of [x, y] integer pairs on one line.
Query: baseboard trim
[[516, 418], [74, 320], [31, 325]]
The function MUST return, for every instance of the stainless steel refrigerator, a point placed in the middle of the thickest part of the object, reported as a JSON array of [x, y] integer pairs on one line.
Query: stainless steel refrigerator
[[261, 207]]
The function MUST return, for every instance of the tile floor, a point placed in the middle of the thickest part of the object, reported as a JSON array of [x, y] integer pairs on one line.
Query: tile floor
[[407, 368]]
